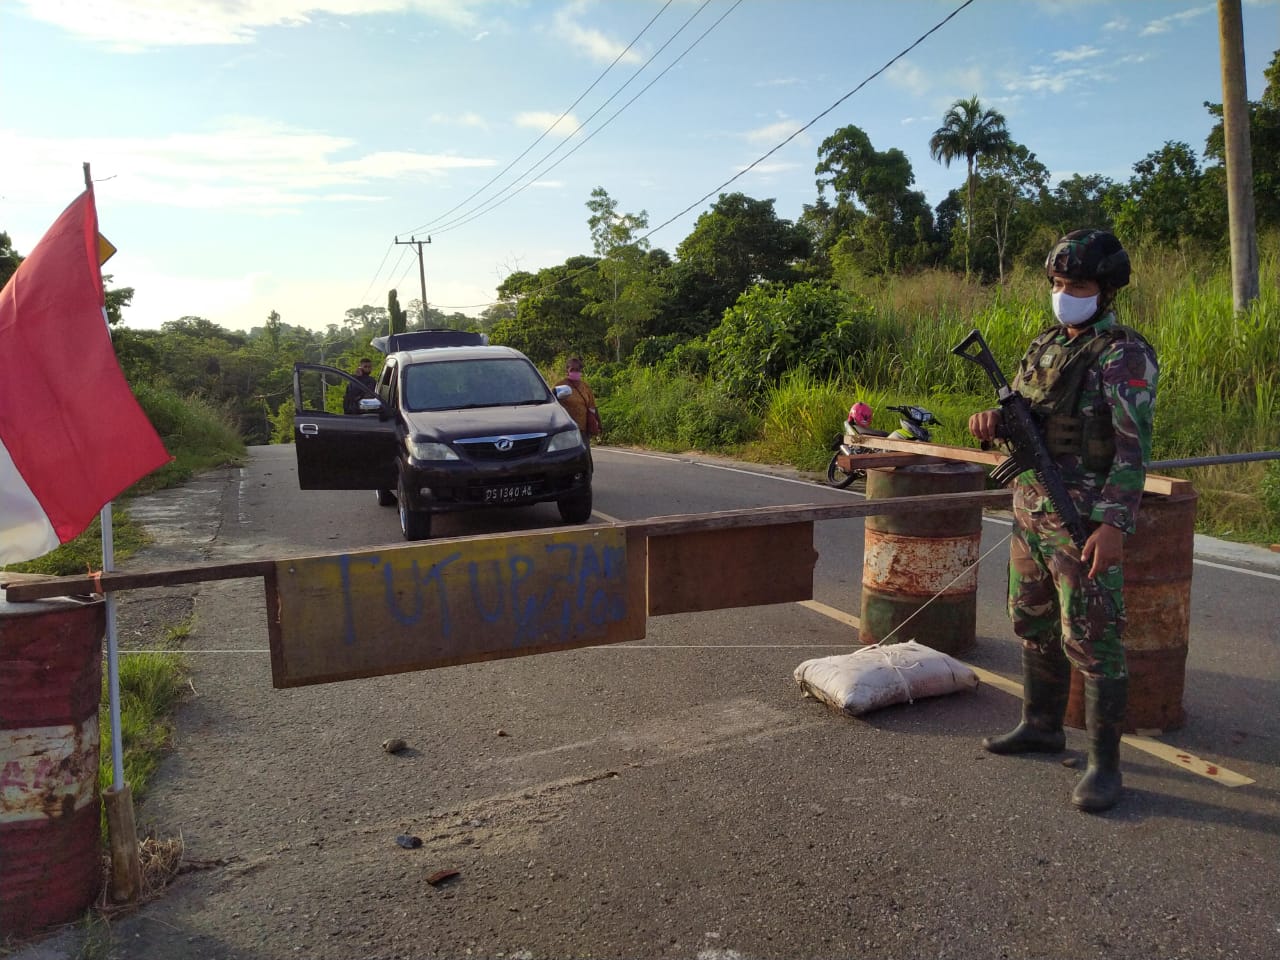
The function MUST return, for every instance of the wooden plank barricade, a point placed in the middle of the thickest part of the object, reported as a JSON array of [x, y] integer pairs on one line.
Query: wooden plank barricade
[[418, 606]]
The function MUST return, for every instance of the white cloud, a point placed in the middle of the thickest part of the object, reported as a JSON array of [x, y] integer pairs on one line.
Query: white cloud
[[1165, 24], [778, 82], [767, 169], [907, 75], [131, 25], [243, 162], [555, 125], [908, 120], [1044, 80], [773, 132], [1116, 25], [1082, 52], [590, 41]]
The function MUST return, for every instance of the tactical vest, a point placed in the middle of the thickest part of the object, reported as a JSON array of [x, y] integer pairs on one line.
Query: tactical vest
[[1052, 379]]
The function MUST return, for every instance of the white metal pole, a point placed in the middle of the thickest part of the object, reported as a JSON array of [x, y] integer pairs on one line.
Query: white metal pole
[[113, 653]]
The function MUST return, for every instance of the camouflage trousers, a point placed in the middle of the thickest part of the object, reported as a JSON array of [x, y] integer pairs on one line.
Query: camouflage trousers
[[1053, 601]]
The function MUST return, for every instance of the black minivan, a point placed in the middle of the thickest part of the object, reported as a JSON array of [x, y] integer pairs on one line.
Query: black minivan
[[450, 428]]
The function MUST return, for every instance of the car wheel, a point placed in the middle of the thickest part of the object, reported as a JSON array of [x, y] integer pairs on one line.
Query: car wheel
[[414, 524], [386, 498], [575, 508]]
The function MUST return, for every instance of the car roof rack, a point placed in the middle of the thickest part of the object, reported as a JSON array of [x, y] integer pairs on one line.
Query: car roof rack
[[422, 339]]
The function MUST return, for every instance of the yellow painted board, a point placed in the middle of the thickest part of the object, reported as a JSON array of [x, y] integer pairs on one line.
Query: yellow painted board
[[447, 602]]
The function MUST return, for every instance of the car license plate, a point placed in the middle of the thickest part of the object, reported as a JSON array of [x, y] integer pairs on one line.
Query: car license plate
[[515, 491]]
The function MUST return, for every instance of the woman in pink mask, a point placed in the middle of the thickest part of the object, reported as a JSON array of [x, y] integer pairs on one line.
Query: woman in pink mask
[[581, 402]]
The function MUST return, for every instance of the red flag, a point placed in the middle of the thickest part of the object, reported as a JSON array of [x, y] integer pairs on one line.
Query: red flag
[[72, 436]]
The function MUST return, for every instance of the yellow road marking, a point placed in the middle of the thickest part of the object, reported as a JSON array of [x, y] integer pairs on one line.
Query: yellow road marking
[[831, 612], [1161, 751]]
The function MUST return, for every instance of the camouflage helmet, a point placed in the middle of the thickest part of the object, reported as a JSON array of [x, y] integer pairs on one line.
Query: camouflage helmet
[[1090, 255]]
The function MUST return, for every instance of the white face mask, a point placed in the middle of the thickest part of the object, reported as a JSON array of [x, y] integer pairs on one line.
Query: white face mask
[[1073, 311]]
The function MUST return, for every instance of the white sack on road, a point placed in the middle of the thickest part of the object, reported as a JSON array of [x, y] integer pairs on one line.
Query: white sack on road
[[878, 676]]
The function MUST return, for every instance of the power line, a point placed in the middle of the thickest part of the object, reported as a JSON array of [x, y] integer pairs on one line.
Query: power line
[[920, 39], [526, 150], [377, 273], [502, 196], [543, 135]]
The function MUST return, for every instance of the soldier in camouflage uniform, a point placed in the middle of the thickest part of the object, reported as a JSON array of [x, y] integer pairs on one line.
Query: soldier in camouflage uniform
[[1092, 384]]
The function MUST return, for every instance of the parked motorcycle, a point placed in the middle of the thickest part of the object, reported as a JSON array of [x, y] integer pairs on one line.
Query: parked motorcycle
[[913, 425]]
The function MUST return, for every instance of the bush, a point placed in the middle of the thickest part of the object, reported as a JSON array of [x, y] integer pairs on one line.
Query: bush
[[773, 329], [712, 418]]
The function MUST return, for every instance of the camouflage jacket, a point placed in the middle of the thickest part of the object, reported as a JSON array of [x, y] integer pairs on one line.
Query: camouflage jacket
[[1123, 383]]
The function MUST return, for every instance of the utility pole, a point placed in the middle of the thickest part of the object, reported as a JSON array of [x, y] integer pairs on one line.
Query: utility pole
[[1235, 139], [422, 274]]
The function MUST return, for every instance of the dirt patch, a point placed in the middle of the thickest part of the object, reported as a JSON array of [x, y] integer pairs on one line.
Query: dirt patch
[[146, 619]]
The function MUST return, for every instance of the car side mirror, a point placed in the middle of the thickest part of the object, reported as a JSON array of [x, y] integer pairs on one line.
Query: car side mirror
[[563, 390], [370, 405]]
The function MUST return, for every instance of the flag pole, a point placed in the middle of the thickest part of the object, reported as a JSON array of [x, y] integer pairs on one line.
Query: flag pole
[[122, 832]]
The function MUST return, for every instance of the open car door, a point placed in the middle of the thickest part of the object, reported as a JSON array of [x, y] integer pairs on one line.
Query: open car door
[[339, 451]]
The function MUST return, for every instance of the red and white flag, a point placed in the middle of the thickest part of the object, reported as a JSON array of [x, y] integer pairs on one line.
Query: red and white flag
[[72, 436]]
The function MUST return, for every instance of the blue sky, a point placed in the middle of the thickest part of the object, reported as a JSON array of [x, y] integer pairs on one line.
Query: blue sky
[[264, 156]]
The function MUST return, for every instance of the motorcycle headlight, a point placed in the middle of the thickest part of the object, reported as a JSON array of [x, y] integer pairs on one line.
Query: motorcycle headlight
[[421, 450], [567, 440]]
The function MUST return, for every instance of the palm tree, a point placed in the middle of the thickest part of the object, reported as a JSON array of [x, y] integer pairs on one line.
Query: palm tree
[[968, 130]]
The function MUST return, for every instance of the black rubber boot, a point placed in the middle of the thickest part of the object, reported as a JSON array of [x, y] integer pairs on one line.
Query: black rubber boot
[[1046, 681], [1104, 705]]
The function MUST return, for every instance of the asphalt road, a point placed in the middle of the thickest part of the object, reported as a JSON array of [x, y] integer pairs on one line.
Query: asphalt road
[[676, 797]]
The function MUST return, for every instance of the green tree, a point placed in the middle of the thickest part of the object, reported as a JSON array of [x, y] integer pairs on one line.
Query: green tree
[[971, 132], [1264, 146], [739, 242], [551, 317], [878, 220], [627, 293], [1079, 201], [1012, 186], [115, 300], [9, 259], [1169, 199]]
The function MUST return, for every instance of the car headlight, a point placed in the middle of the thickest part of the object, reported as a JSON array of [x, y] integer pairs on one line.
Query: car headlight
[[421, 450], [567, 440]]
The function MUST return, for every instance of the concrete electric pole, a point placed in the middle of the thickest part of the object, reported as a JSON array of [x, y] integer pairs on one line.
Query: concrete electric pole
[[422, 274], [1235, 138]]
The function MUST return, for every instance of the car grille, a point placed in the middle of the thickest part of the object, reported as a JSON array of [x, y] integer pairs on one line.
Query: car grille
[[489, 448]]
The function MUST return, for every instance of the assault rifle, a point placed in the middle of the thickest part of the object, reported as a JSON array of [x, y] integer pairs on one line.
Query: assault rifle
[[1019, 429]]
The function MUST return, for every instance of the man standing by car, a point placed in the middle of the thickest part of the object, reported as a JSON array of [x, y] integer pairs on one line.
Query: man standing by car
[[581, 402], [364, 373]]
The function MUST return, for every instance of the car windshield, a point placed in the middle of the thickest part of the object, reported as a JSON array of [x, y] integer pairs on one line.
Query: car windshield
[[461, 384]]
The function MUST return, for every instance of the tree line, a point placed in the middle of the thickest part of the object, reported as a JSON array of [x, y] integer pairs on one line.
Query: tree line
[[748, 293]]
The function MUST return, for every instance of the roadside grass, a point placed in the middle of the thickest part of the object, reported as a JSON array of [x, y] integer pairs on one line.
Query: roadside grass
[[84, 553], [1219, 386], [152, 683]]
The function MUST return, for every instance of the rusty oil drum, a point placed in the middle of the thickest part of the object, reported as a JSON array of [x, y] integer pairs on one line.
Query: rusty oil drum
[[1157, 600], [909, 558], [50, 688]]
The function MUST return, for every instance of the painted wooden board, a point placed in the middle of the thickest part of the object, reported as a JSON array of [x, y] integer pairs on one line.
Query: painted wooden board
[[447, 602], [734, 567]]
